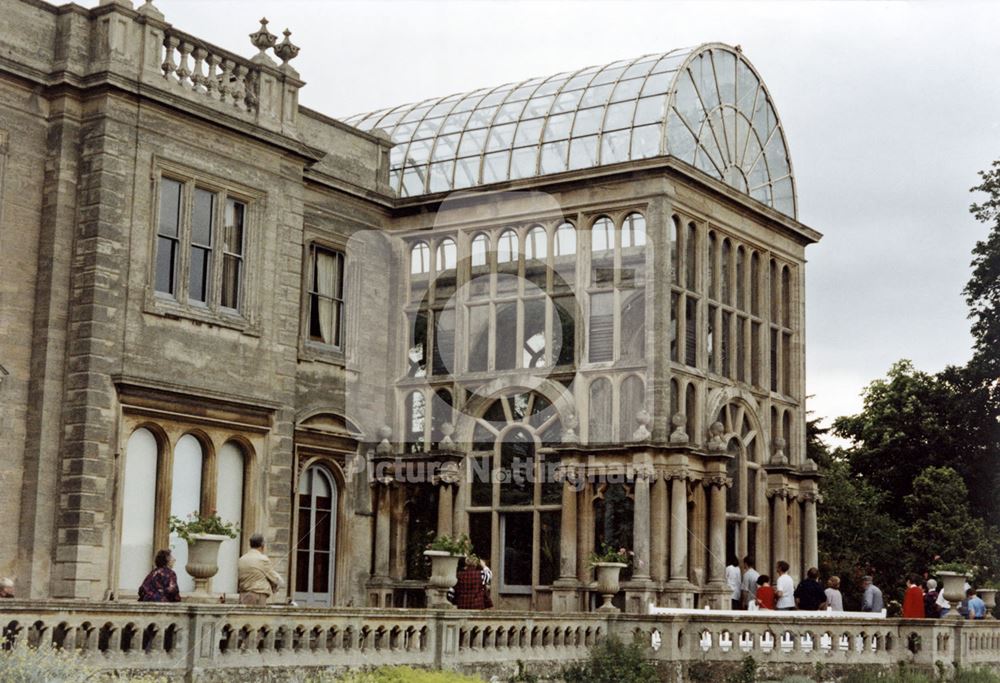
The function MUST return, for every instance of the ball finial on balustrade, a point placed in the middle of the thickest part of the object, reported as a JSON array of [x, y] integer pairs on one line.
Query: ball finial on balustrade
[[263, 40], [148, 10], [285, 50]]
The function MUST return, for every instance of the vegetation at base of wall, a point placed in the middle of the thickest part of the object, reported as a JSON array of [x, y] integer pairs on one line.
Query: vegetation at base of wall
[[400, 674], [747, 672], [907, 675], [613, 662], [23, 664]]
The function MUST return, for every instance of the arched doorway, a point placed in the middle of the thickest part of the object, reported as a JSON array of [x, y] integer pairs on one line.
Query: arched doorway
[[316, 546]]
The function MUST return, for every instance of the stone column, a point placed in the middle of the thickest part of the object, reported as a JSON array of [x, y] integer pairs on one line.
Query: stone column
[[565, 597], [585, 530], [678, 528], [779, 525], [717, 528], [383, 520], [660, 525], [809, 530], [446, 479], [640, 524]]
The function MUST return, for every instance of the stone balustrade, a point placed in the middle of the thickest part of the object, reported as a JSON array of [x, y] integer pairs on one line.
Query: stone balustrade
[[195, 66], [222, 642]]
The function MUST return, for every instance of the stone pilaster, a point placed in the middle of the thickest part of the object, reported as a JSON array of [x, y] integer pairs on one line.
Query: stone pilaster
[[679, 590], [779, 523], [660, 516], [809, 529], [565, 595], [717, 591]]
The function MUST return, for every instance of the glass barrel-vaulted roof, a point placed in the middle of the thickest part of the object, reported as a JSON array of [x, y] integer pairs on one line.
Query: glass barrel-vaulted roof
[[706, 106]]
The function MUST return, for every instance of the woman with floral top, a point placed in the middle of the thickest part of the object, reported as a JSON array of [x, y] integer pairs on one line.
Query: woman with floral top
[[160, 585]]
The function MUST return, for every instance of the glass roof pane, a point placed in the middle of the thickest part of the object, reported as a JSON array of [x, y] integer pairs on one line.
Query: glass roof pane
[[658, 83], [522, 162], [595, 95], [528, 132], [557, 127], [650, 110], [413, 181], [428, 128], [391, 118], [588, 121], [500, 137], [619, 115], [615, 146], [640, 68], [396, 155], [522, 93], [482, 117], [583, 152], [446, 147], [762, 193], [554, 157], [742, 135], [709, 144], [608, 75], [466, 172], [495, 97], [757, 175], [404, 131], [746, 88], [551, 86], [455, 122], [472, 142], [419, 151], [687, 102], [704, 78], [646, 141], [627, 90], [469, 102], [704, 163], [783, 196], [680, 141], [581, 80], [509, 112], [495, 166], [725, 73], [416, 113], [777, 161], [538, 106], [566, 101], [442, 107], [441, 176], [671, 61]]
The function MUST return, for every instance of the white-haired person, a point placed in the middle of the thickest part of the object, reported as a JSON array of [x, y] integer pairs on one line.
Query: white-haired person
[[6, 587]]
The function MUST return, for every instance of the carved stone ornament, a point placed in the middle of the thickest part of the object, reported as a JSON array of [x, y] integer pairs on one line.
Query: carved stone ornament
[[810, 465], [384, 447], [719, 480], [715, 442], [644, 471], [567, 474], [447, 444], [642, 432], [263, 40], [779, 457], [149, 10], [285, 50], [810, 497], [679, 435], [781, 492], [448, 474], [571, 423], [669, 475]]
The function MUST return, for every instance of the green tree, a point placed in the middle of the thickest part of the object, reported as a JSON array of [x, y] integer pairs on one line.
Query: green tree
[[982, 293]]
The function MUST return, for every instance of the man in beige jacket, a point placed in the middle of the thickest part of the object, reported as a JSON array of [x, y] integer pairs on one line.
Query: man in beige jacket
[[257, 579]]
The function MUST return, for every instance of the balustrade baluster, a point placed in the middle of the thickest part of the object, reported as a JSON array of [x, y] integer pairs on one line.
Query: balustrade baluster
[[183, 70], [168, 67]]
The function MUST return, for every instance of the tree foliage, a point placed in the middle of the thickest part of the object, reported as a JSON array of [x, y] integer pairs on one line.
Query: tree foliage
[[982, 293]]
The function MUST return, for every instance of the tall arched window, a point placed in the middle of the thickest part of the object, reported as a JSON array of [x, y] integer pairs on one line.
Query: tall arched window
[[416, 413], [537, 244], [185, 499], [744, 498], [480, 246], [786, 298], [229, 505], [565, 240], [316, 546], [725, 272], [633, 231], [631, 400], [139, 510], [446, 255], [599, 430], [420, 258], [602, 235], [507, 247], [675, 256]]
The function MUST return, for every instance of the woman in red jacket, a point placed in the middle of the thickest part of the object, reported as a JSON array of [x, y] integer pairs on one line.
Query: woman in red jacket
[[913, 599]]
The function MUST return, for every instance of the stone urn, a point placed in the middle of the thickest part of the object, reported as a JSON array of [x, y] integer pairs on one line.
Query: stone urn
[[954, 591], [444, 576], [203, 564], [608, 580], [989, 596]]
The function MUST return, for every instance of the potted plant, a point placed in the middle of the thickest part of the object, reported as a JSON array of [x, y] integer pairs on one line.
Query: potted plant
[[988, 593], [609, 564], [203, 534], [444, 553], [954, 576]]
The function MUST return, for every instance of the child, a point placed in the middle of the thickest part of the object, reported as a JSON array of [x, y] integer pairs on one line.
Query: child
[[765, 592]]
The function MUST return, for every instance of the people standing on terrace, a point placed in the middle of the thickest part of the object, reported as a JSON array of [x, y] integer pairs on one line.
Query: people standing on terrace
[[785, 587], [257, 578], [810, 595], [913, 598], [160, 585], [871, 601], [471, 591], [6, 588], [750, 576], [765, 592], [977, 607], [834, 599], [735, 581], [932, 610]]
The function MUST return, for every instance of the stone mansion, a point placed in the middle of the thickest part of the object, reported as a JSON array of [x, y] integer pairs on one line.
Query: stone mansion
[[555, 314]]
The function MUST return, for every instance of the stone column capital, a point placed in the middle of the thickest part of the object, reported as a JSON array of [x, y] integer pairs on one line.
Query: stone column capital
[[718, 480], [810, 497], [448, 474], [782, 492]]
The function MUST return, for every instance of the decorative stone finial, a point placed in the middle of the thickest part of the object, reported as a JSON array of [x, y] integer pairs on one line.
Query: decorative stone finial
[[262, 39], [679, 435], [715, 442], [779, 457], [285, 50], [569, 436], [384, 447], [446, 444], [810, 465], [642, 433], [149, 10]]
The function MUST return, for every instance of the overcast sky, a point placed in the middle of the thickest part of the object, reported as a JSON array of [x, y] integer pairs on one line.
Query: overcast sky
[[890, 109]]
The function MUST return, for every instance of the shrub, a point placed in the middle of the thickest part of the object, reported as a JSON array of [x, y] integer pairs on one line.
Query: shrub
[[613, 662], [747, 672], [403, 674], [23, 664]]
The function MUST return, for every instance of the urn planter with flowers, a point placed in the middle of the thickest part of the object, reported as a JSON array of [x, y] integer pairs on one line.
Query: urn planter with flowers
[[204, 534], [608, 565], [444, 553]]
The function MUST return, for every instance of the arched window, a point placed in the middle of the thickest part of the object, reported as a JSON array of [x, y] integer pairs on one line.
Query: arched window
[[420, 258], [316, 546], [507, 247], [602, 235], [631, 400], [755, 283], [229, 505], [725, 271], [139, 510], [565, 240], [691, 260], [185, 498], [599, 430], [713, 252], [675, 257], [441, 412], [786, 298], [741, 302], [480, 245], [633, 231], [743, 498], [416, 413], [537, 244], [446, 255]]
